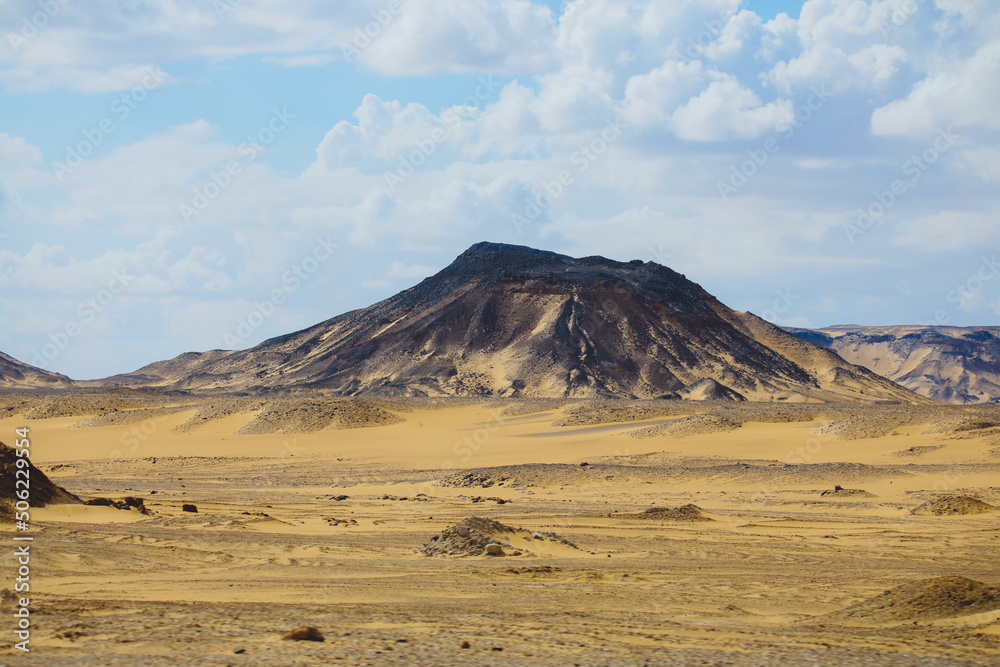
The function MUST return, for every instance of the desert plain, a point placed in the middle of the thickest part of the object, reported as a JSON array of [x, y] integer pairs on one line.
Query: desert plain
[[659, 532]]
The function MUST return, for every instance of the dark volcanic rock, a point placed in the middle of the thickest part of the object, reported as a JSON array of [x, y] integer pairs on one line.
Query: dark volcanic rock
[[506, 320], [41, 490]]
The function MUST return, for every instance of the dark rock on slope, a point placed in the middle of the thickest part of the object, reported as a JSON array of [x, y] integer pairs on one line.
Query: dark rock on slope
[[506, 320]]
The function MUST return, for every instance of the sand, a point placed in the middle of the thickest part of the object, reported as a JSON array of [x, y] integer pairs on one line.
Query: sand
[[325, 528]]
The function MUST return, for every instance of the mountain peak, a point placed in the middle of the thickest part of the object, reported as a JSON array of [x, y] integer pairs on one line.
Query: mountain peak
[[492, 248], [509, 320]]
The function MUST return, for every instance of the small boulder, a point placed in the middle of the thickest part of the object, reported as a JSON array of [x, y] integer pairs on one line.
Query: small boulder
[[494, 550], [305, 633], [189, 508]]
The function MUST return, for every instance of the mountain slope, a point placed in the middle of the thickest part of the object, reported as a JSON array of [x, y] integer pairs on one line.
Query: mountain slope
[[16, 374], [954, 364], [163, 372], [513, 321]]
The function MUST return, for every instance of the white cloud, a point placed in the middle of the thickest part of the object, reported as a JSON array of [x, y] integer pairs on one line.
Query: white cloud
[[949, 230], [962, 94], [17, 153], [651, 99], [305, 60], [727, 109], [985, 162], [464, 36], [96, 48]]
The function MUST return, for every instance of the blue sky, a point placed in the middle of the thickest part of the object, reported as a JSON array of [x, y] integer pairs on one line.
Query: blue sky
[[817, 163]]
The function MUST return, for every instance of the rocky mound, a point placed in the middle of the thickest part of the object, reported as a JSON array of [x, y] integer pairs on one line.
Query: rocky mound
[[840, 491], [42, 490], [947, 505], [309, 415], [478, 536], [695, 425], [708, 389], [689, 512], [860, 425], [593, 413], [470, 537], [918, 450], [925, 600]]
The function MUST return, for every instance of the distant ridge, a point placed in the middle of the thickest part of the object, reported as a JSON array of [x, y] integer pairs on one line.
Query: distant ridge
[[505, 320], [16, 374], [952, 364]]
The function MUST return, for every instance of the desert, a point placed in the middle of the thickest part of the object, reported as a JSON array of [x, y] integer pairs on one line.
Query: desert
[[626, 537], [548, 333]]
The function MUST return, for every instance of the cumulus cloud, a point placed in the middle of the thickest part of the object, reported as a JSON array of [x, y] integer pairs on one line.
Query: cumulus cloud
[[103, 48], [464, 36], [966, 93], [727, 109], [16, 152]]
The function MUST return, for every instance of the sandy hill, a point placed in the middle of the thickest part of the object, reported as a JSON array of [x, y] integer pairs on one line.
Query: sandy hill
[[16, 374], [506, 320], [954, 364], [923, 600]]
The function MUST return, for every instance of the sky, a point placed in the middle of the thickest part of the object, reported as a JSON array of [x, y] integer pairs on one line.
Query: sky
[[186, 176]]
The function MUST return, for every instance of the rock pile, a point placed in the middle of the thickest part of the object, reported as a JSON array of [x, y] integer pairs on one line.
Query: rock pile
[[947, 505], [129, 502], [689, 512], [471, 537]]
